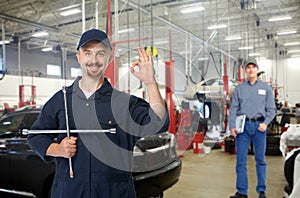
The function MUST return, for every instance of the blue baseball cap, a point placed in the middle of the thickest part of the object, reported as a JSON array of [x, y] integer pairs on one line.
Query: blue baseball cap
[[93, 35]]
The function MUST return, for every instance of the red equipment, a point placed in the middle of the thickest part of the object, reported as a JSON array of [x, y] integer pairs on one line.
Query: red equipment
[[184, 137], [31, 101], [241, 75], [170, 94], [226, 93], [22, 101], [198, 146]]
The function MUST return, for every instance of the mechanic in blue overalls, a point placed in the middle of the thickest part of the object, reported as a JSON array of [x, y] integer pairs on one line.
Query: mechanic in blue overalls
[[101, 160], [254, 99]]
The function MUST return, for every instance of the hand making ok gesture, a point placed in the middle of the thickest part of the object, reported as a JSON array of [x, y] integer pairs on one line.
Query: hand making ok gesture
[[143, 69]]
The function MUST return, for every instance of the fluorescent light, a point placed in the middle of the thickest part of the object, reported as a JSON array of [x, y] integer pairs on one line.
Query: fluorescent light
[[254, 54], [161, 42], [125, 30], [293, 51], [40, 34], [69, 7], [203, 59], [295, 55], [212, 27], [191, 9], [292, 43], [287, 32], [184, 52], [280, 18], [5, 41], [70, 12], [47, 49], [233, 37], [261, 58], [246, 48]]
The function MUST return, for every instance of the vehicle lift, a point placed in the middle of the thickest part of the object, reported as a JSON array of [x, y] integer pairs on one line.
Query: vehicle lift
[[30, 102]]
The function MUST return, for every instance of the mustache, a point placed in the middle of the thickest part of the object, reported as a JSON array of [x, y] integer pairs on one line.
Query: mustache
[[94, 65]]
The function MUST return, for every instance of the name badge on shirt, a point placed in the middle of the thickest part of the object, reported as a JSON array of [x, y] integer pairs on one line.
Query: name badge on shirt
[[262, 92]]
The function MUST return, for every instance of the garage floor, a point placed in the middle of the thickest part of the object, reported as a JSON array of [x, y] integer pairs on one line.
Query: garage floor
[[213, 175]]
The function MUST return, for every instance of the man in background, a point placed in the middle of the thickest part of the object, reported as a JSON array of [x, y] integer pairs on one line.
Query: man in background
[[254, 99]]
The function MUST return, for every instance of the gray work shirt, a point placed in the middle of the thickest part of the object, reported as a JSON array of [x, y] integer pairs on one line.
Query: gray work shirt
[[254, 101]]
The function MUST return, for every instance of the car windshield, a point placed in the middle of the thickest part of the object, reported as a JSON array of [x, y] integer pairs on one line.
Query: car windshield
[[11, 123], [15, 123]]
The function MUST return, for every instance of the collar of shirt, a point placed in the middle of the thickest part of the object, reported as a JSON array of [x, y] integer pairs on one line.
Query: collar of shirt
[[249, 83], [105, 89]]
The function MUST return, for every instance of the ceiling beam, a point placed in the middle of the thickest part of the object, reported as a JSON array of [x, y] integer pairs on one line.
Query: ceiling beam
[[176, 27], [30, 23]]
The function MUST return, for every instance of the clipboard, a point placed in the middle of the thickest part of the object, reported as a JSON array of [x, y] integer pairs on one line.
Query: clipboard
[[240, 123]]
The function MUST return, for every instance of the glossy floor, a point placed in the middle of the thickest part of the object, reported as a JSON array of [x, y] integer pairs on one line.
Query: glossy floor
[[213, 176]]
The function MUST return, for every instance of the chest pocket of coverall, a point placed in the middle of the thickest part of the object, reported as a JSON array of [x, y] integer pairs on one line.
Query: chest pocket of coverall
[[108, 122]]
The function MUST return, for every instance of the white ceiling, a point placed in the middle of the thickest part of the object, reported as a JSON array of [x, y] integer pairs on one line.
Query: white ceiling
[[157, 22]]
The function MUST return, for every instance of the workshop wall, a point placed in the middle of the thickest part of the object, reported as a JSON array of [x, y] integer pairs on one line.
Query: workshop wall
[[35, 60]]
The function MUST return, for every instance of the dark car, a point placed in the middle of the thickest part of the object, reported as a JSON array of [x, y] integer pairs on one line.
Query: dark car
[[23, 172]]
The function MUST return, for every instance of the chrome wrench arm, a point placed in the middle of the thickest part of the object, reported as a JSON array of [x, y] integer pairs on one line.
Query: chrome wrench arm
[[64, 89], [26, 131]]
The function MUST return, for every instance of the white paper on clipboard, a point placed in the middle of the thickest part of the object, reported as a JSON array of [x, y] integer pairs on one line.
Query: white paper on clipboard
[[240, 123]]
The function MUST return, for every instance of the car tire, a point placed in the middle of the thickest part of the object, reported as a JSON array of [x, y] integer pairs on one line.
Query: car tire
[[273, 150], [273, 139]]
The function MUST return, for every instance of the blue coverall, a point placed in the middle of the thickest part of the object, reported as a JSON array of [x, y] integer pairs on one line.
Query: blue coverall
[[94, 175]]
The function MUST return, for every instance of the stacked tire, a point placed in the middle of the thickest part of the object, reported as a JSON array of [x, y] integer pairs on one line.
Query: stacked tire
[[273, 144]]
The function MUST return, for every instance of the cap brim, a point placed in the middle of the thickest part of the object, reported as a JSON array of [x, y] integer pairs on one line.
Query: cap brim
[[105, 42], [251, 63]]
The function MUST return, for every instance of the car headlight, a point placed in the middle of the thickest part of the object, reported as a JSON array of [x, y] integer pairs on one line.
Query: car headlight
[[172, 140], [137, 151]]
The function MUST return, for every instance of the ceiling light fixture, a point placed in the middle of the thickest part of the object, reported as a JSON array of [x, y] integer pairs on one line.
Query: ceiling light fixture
[[280, 18], [160, 42], [246, 48], [293, 51], [233, 37], [191, 9], [70, 12], [46, 49], [295, 56], [287, 32], [203, 59], [261, 58], [125, 30], [5, 41], [254, 54], [69, 7], [292, 43], [40, 34], [184, 52], [219, 26]]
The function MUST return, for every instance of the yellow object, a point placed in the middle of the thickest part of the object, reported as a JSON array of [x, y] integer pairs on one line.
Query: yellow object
[[153, 50]]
